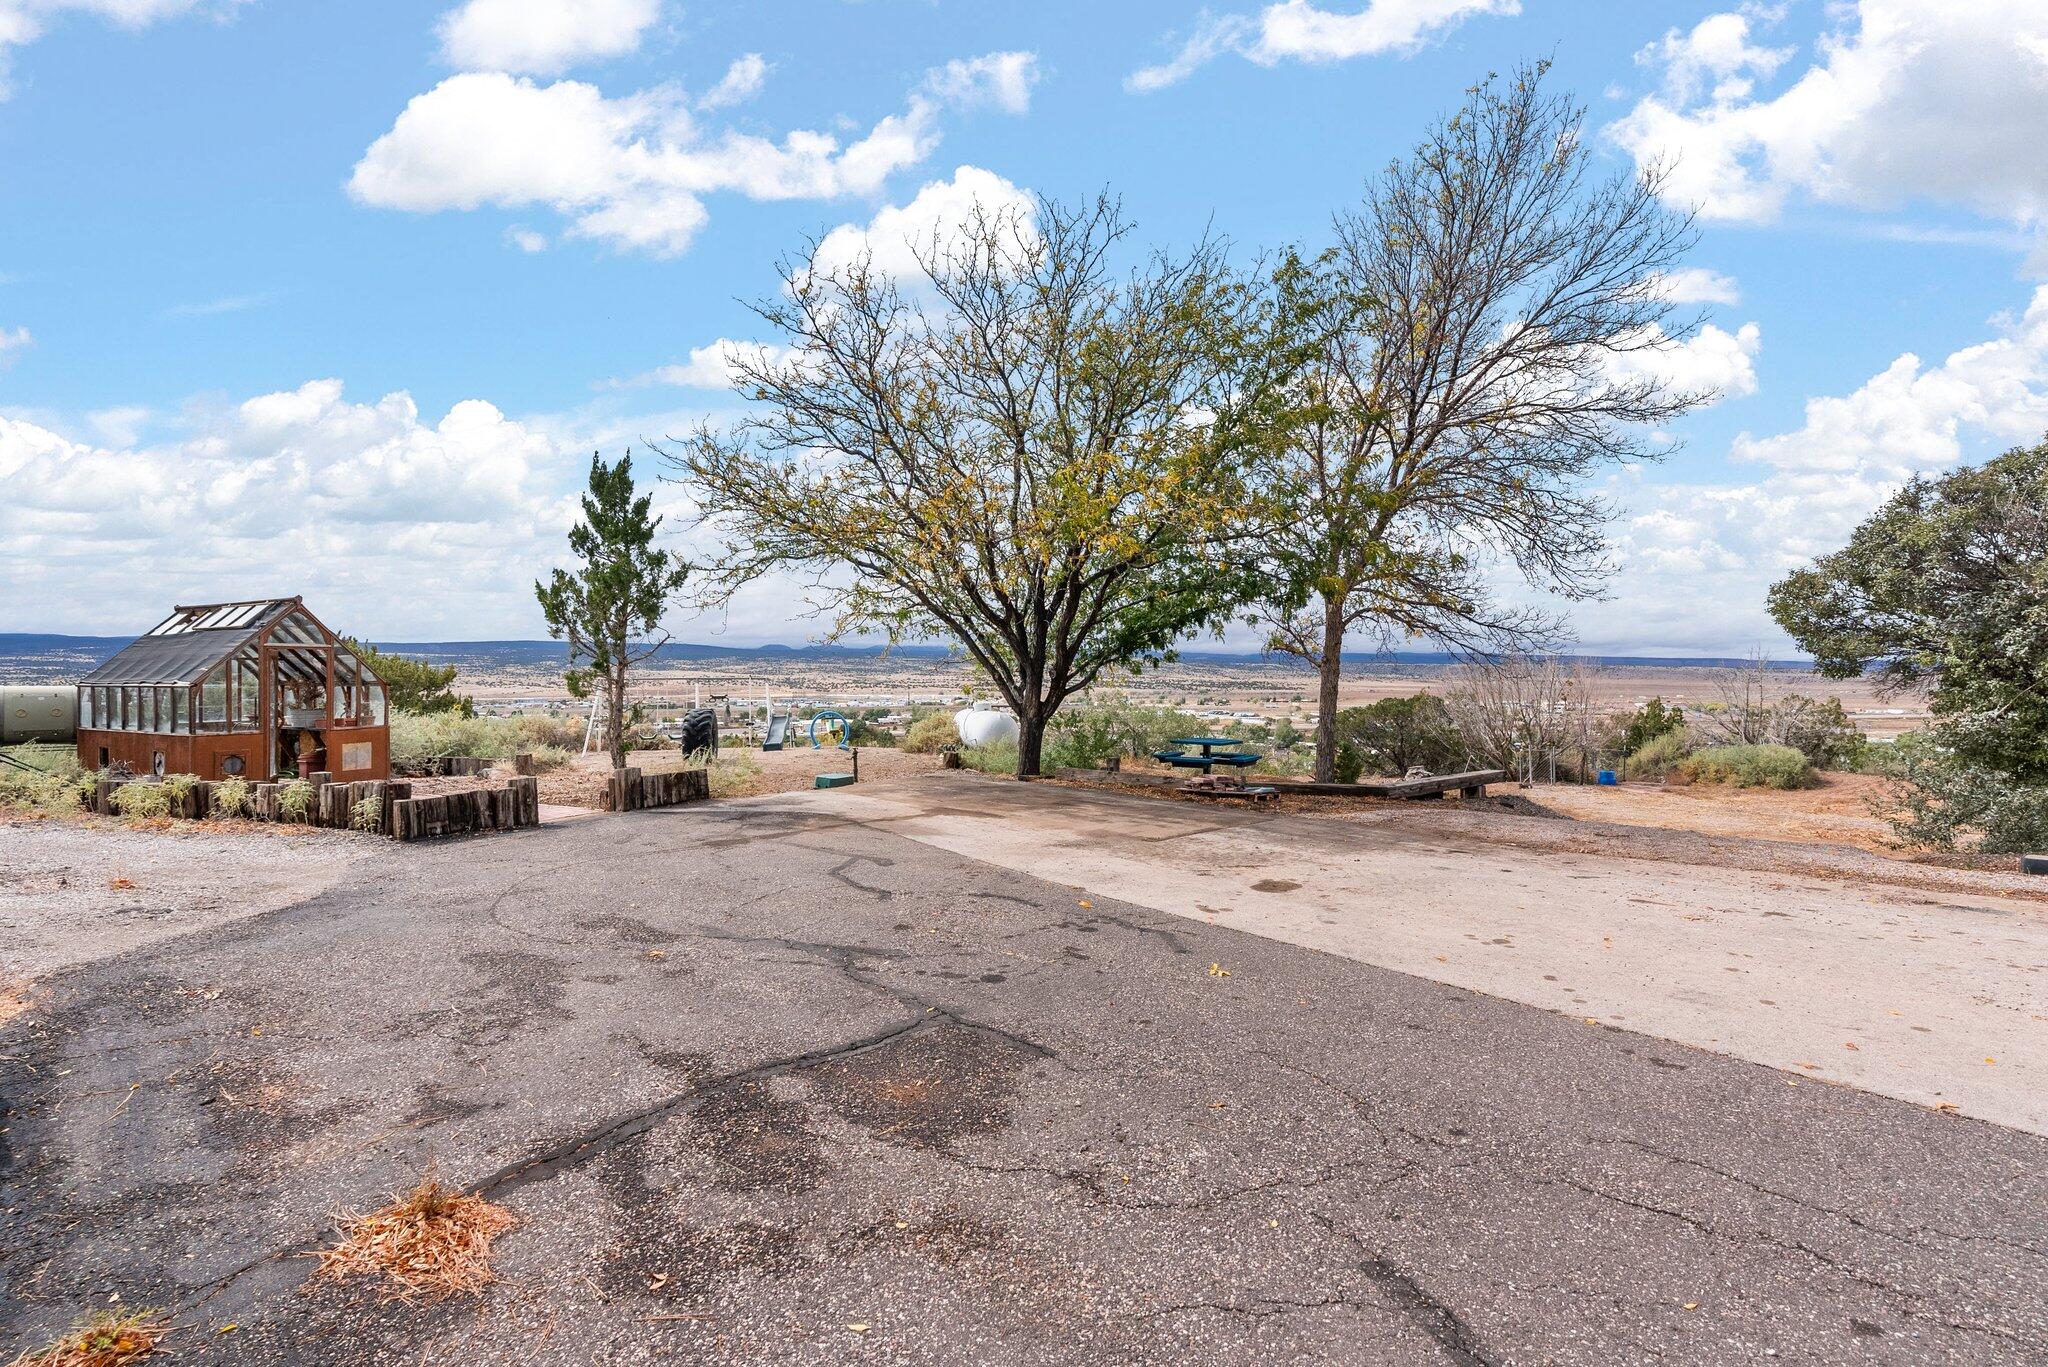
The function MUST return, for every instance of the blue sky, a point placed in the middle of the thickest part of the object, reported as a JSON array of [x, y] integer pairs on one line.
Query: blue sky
[[337, 299]]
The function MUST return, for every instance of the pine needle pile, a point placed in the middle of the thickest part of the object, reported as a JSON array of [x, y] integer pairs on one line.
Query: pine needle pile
[[104, 1339], [429, 1244]]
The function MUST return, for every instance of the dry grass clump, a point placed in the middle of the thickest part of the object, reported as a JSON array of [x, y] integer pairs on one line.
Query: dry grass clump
[[430, 1243], [105, 1338]]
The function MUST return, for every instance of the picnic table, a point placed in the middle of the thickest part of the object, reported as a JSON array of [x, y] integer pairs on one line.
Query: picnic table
[[1209, 758]]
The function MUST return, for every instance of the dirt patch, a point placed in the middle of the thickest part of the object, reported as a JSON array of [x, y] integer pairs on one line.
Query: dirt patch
[[1837, 812], [928, 1089], [76, 891], [750, 773]]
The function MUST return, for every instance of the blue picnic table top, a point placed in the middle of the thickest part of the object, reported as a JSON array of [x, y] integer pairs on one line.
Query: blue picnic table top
[[1207, 743], [1208, 759]]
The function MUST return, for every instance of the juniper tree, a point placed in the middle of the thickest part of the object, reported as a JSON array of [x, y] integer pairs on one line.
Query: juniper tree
[[609, 608]]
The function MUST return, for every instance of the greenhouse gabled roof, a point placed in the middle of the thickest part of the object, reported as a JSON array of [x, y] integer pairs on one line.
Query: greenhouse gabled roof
[[184, 646]]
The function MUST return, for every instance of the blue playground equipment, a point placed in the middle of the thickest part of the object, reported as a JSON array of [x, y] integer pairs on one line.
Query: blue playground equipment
[[845, 729]]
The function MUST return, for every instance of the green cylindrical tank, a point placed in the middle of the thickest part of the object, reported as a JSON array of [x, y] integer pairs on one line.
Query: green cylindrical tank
[[37, 712]]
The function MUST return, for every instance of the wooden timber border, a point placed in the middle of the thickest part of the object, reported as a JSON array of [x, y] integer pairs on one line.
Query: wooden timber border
[[512, 806], [629, 790], [1470, 784]]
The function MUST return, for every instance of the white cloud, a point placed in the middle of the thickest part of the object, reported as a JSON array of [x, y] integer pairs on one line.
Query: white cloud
[[632, 171], [1298, 30], [1715, 54], [1710, 361], [709, 367], [11, 343], [298, 491], [543, 37], [1695, 560], [1003, 79], [741, 82], [892, 239], [1698, 285], [526, 239], [1928, 101]]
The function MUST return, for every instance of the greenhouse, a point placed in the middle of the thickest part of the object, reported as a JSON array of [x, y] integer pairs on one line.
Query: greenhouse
[[232, 690]]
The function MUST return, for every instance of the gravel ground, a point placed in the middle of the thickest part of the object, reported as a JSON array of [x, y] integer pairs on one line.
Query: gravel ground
[[72, 891]]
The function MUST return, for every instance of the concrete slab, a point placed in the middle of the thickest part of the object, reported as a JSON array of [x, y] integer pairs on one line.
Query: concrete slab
[[1938, 1001]]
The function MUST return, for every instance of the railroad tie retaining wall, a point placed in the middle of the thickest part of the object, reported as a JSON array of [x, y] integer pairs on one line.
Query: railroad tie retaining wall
[[629, 790], [399, 814]]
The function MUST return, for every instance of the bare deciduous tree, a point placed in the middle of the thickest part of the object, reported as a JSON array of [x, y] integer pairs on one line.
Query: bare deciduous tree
[[1028, 450], [1489, 314], [1521, 712]]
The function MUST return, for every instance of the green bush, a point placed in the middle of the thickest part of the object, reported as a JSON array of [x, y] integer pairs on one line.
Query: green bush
[[416, 739], [62, 787], [1821, 731], [999, 757], [550, 757], [231, 797], [1944, 802], [1651, 722], [1393, 735], [1087, 736], [142, 800], [928, 735], [539, 731], [1658, 755], [367, 814], [295, 799], [1749, 766]]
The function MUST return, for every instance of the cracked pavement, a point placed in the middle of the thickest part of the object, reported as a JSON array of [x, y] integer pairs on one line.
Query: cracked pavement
[[751, 1074]]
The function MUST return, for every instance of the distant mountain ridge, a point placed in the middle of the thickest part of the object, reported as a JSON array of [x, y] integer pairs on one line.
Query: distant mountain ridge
[[50, 648]]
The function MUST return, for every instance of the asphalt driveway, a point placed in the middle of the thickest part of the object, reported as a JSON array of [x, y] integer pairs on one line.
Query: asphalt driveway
[[765, 1084]]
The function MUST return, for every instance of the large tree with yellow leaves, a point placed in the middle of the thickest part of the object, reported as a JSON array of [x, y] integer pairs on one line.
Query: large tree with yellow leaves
[[1021, 446]]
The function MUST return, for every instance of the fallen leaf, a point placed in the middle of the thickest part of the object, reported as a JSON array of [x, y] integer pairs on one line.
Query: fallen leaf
[[1087, 905], [858, 1328], [1592, 1020], [655, 1282], [657, 954], [1809, 1065], [120, 884], [1990, 1060], [1692, 1305], [227, 1329], [1219, 971], [1443, 958], [1895, 1013], [1944, 1105], [1850, 1044]]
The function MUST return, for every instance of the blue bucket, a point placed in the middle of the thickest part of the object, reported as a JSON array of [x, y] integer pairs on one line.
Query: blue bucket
[[1607, 778]]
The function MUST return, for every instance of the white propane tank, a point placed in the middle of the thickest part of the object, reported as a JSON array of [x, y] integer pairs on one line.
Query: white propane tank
[[983, 724]]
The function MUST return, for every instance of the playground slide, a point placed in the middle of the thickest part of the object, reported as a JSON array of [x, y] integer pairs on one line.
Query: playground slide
[[778, 731]]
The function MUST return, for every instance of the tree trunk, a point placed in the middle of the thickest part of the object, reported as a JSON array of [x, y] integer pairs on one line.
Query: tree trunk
[[615, 717], [1330, 669], [1030, 742]]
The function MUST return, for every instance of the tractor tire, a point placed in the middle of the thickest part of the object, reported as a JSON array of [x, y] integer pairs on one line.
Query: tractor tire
[[700, 731]]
